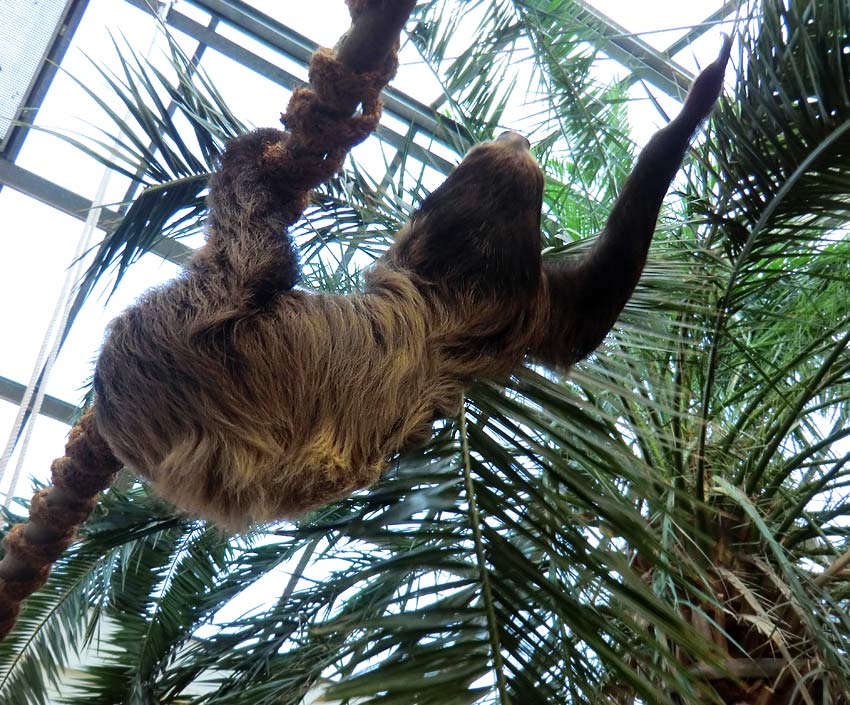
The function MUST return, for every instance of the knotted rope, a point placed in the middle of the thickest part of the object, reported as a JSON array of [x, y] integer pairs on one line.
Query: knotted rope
[[87, 468]]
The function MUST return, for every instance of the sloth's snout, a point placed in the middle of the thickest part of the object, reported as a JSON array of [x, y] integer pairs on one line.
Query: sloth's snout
[[515, 139]]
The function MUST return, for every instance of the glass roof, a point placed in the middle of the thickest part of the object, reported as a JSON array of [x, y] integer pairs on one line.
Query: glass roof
[[47, 183]]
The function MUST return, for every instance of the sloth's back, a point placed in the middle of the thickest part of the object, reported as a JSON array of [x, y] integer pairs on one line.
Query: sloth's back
[[268, 414]]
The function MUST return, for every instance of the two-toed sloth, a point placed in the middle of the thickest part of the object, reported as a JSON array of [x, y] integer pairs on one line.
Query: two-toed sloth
[[245, 399]]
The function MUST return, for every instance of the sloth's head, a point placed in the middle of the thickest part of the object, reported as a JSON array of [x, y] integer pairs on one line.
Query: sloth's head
[[480, 230], [497, 180]]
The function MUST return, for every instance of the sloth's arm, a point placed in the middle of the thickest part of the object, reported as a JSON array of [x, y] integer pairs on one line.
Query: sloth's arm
[[262, 185], [586, 296]]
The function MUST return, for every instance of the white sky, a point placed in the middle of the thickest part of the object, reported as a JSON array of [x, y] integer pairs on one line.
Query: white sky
[[38, 242]]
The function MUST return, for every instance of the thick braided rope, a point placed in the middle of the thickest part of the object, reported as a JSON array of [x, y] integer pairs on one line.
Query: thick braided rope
[[322, 126], [86, 469]]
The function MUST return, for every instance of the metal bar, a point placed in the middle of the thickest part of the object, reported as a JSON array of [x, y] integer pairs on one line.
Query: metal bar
[[647, 63], [262, 27], [706, 25], [73, 204], [52, 407], [695, 33]]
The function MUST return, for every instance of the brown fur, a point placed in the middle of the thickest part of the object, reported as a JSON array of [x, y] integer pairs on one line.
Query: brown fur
[[244, 399], [238, 411]]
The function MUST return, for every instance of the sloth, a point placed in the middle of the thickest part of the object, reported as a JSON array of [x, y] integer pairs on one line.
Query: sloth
[[243, 398]]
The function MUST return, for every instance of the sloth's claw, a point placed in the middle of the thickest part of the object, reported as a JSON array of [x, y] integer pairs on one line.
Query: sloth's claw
[[708, 85]]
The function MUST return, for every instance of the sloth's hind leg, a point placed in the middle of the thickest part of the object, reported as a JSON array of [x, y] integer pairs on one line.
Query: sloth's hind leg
[[249, 253]]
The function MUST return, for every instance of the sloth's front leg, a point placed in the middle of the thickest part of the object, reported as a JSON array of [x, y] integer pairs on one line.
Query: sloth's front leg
[[586, 296]]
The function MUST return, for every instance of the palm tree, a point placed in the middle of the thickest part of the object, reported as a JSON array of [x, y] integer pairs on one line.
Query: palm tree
[[666, 524]]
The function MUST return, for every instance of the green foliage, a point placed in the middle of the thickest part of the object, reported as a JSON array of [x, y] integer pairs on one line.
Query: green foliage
[[674, 508]]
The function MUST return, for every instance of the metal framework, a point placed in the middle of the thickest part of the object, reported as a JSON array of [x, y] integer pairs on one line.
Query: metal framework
[[646, 63], [32, 102]]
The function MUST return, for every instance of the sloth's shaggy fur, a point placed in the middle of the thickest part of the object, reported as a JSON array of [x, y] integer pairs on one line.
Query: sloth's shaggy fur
[[245, 399], [297, 399]]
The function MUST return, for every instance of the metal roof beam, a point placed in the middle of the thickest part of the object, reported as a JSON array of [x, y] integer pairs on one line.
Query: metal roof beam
[[52, 407], [77, 206], [645, 62], [695, 33], [56, 51], [698, 30]]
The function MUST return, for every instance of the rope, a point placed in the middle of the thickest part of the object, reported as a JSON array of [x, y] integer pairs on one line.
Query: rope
[[86, 469]]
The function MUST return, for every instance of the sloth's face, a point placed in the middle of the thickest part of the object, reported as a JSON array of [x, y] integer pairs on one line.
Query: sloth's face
[[481, 229], [515, 139], [498, 183], [506, 169]]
